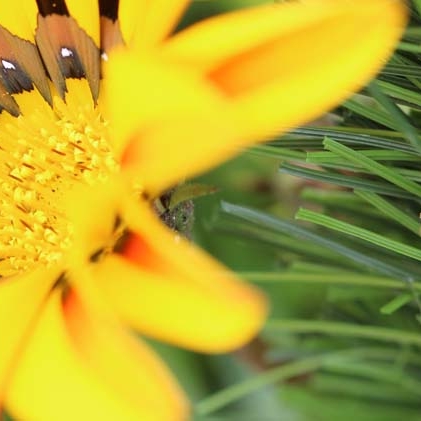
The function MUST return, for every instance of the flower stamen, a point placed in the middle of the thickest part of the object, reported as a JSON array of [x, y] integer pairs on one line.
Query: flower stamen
[[42, 157]]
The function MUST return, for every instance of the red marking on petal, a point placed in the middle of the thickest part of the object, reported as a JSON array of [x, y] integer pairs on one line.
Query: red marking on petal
[[74, 315], [138, 252], [132, 153]]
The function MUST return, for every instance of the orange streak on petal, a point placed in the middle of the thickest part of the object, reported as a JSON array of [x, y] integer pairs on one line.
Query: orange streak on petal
[[54, 381], [179, 294], [173, 131], [211, 312], [132, 153], [273, 60], [246, 72], [125, 363], [137, 251]]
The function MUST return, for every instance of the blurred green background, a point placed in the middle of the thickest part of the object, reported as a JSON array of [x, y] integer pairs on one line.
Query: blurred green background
[[343, 340]]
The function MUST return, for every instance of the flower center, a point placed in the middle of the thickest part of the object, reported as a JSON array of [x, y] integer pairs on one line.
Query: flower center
[[43, 153]]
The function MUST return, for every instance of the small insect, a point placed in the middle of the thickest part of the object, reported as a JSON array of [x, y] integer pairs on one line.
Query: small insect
[[179, 216], [176, 208]]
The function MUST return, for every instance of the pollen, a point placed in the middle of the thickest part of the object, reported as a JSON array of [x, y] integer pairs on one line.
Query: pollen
[[44, 153]]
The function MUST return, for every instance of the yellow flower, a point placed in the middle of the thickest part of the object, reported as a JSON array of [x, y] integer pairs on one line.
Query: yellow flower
[[84, 150]]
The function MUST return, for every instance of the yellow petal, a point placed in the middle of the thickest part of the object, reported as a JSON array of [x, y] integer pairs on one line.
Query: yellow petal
[[21, 300], [86, 14], [284, 64], [92, 230], [147, 22], [173, 120], [56, 378], [140, 92], [126, 364], [164, 154], [168, 289], [214, 311], [20, 18], [238, 78]]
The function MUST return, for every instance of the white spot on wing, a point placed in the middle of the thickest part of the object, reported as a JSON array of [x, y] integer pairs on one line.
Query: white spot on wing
[[66, 52], [8, 65], [104, 56]]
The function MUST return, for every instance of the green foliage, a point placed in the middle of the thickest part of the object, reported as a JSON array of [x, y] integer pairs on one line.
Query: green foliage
[[344, 337]]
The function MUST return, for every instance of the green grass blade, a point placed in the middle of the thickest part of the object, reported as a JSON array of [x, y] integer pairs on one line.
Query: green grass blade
[[390, 210], [397, 114], [345, 181], [352, 230], [382, 171], [404, 62], [325, 157], [338, 278], [371, 113], [397, 303], [400, 93], [277, 224], [409, 47], [277, 153], [378, 333], [347, 136], [402, 70], [284, 372], [233, 393]]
